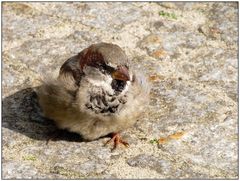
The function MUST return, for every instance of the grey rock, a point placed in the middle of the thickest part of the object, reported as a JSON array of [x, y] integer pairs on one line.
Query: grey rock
[[15, 170], [150, 161]]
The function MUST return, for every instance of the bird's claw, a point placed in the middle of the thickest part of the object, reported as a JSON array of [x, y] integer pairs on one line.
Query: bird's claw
[[117, 140]]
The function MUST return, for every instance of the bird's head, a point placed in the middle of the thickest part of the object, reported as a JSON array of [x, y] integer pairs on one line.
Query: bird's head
[[106, 61]]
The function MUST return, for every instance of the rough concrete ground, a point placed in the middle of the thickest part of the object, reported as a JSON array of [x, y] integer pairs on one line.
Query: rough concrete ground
[[189, 51]]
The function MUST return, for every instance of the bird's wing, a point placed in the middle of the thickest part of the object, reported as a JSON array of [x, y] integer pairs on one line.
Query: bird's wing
[[73, 67], [71, 70]]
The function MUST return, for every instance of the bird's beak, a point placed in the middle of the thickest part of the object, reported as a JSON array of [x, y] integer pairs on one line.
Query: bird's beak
[[121, 74]]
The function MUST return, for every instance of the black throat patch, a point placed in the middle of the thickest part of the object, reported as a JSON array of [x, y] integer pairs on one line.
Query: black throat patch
[[118, 85]]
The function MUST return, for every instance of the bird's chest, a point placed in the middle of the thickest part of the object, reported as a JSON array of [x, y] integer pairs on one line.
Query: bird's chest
[[101, 101]]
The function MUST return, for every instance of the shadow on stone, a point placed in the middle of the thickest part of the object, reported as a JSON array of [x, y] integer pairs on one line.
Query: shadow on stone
[[21, 113]]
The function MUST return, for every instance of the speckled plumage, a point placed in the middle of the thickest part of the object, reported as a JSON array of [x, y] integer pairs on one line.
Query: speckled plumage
[[85, 98]]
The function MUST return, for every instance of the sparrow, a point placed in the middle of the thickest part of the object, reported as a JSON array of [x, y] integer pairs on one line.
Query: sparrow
[[97, 92]]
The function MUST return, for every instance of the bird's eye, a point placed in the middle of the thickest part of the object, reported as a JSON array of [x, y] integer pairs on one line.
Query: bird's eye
[[109, 69], [102, 68]]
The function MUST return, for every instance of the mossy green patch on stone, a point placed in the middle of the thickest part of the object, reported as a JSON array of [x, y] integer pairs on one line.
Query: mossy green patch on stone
[[153, 141], [30, 157], [169, 15]]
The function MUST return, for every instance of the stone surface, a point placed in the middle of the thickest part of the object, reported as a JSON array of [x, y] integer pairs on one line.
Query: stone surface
[[189, 51]]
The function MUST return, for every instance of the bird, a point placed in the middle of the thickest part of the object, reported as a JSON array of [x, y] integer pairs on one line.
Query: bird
[[98, 92]]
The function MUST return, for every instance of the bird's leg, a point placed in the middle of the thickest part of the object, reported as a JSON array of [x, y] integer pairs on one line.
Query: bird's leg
[[117, 140]]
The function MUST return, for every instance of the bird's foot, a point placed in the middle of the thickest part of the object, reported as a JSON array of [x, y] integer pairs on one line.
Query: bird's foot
[[117, 140]]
